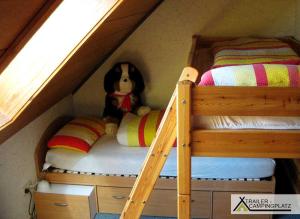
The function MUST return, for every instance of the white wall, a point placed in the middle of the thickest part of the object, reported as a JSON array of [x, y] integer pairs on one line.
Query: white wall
[[17, 161], [159, 47]]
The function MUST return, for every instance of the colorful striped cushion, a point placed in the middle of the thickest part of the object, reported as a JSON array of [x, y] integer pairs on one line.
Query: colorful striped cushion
[[245, 51], [139, 131], [271, 75], [79, 134]]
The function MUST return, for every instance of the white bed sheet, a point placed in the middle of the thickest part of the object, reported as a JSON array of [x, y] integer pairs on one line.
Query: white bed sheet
[[246, 122], [107, 156]]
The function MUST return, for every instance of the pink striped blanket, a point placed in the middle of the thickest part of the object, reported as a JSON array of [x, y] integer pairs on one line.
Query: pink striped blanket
[[272, 75], [244, 51]]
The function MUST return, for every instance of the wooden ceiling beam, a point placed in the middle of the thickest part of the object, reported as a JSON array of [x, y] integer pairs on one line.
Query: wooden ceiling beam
[[15, 16]]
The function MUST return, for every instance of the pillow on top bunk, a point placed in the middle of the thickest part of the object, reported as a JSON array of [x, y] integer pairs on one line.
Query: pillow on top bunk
[[270, 75], [244, 51], [139, 131], [79, 134]]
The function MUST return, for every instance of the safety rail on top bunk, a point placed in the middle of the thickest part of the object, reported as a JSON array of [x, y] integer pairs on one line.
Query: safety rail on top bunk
[[246, 101], [189, 100]]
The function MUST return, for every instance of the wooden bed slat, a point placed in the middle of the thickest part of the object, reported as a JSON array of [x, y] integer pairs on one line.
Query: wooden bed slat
[[246, 143], [246, 101], [161, 183]]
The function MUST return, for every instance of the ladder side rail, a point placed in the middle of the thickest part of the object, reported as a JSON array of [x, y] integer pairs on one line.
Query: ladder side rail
[[183, 150]]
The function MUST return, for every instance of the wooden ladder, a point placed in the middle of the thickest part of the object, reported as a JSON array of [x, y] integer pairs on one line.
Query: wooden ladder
[[177, 116]]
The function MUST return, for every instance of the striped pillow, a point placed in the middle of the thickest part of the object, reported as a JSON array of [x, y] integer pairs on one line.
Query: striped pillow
[[268, 75], [244, 51], [139, 131], [79, 134]]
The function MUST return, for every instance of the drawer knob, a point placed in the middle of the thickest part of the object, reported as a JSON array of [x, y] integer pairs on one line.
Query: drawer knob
[[118, 197], [61, 204]]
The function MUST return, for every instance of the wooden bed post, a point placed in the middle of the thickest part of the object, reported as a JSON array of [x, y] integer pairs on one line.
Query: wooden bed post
[[183, 149], [157, 155]]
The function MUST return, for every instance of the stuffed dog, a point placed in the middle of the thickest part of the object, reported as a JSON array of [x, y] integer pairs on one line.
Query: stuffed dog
[[123, 85]]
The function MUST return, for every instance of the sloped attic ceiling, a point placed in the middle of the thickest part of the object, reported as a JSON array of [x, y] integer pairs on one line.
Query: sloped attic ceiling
[[15, 16], [22, 18]]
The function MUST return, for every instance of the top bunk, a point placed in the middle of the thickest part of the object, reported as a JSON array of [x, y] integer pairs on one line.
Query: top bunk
[[242, 101], [201, 54], [239, 100]]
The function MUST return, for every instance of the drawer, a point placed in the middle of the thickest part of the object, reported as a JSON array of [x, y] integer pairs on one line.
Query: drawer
[[55, 205], [161, 202], [222, 208]]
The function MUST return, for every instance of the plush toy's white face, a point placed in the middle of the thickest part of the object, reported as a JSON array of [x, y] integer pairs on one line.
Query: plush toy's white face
[[125, 83]]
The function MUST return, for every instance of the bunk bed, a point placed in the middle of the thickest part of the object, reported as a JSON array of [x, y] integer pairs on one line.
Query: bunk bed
[[189, 100], [208, 195], [113, 188]]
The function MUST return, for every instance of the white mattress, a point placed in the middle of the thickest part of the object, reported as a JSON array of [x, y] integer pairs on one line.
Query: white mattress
[[246, 122], [109, 157]]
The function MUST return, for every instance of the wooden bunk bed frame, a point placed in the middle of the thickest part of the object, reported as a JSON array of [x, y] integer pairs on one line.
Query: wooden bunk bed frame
[[208, 196], [189, 100]]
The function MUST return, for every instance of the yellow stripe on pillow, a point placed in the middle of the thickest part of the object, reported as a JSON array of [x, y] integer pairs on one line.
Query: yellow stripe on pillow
[[278, 75], [79, 132], [133, 132], [150, 127]]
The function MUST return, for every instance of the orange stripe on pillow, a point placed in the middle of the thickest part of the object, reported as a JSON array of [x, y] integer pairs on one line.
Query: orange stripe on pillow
[[96, 120], [69, 140], [141, 130], [87, 126], [99, 126], [78, 132], [150, 127], [175, 143]]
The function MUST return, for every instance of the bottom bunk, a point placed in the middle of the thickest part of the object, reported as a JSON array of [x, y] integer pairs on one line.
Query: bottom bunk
[[210, 193]]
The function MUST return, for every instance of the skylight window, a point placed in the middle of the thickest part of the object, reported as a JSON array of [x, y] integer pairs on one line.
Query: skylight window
[[45, 53]]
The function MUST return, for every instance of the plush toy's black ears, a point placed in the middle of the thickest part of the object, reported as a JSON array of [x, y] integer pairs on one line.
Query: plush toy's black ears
[[136, 76], [109, 81], [111, 76]]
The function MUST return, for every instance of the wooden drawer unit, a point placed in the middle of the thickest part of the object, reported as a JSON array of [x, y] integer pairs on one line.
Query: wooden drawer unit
[[66, 201], [222, 208], [161, 202]]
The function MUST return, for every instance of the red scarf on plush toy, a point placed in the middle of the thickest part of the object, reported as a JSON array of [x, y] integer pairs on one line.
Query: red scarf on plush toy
[[126, 101]]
